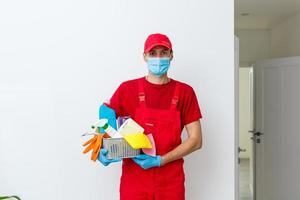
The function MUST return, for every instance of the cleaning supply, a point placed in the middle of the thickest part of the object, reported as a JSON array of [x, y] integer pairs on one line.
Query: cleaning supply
[[138, 141], [105, 112], [133, 133], [121, 120], [151, 151], [94, 144], [119, 148], [103, 123], [130, 127], [127, 142]]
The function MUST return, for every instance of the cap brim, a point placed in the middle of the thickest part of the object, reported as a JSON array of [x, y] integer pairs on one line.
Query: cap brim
[[156, 44]]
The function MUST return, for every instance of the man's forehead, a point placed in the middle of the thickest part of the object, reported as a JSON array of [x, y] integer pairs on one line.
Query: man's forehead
[[159, 48]]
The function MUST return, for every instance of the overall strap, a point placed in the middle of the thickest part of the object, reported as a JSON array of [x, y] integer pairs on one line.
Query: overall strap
[[175, 97], [141, 93]]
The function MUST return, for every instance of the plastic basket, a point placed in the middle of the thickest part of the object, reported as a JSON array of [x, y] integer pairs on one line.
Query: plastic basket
[[119, 148]]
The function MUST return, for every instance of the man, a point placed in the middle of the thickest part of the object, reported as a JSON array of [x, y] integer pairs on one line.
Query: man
[[162, 106]]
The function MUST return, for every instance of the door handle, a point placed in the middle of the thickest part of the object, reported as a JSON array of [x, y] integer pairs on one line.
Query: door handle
[[256, 133], [241, 150]]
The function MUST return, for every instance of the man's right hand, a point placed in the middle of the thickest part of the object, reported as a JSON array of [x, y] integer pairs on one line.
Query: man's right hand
[[102, 157]]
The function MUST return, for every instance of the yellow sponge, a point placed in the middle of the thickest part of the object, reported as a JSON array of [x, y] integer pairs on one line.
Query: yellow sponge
[[138, 140]]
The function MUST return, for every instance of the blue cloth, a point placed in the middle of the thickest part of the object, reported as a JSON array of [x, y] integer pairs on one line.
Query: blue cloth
[[102, 157], [108, 113], [158, 66], [146, 161]]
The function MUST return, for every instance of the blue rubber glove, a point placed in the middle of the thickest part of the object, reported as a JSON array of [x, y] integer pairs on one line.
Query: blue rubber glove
[[146, 161], [102, 157]]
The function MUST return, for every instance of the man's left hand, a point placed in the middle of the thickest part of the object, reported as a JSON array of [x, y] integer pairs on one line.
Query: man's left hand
[[146, 161]]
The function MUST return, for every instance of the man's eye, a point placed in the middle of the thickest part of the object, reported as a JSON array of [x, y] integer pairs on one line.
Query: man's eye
[[165, 53]]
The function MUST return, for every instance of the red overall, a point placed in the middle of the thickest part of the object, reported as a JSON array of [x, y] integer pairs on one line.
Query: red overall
[[159, 183]]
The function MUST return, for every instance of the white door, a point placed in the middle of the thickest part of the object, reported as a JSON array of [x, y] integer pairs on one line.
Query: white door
[[277, 118]]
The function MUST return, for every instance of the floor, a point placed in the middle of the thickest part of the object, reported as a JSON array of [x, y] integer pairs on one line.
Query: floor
[[244, 179]]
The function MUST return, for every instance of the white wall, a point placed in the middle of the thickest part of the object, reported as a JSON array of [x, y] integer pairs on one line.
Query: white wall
[[254, 45], [60, 59], [285, 41], [282, 40]]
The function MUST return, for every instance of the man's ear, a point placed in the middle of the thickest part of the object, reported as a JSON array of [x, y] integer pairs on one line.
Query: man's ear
[[171, 56], [144, 55]]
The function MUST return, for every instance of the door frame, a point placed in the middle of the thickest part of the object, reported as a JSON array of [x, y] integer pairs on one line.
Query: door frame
[[253, 130], [236, 118]]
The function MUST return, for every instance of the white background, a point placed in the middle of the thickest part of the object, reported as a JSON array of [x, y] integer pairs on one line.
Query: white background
[[60, 59]]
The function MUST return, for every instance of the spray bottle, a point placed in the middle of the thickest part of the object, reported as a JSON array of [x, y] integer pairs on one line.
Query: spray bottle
[[103, 123]]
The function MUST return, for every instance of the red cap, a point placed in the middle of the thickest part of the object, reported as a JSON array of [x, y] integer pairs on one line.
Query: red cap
[[155, 40]]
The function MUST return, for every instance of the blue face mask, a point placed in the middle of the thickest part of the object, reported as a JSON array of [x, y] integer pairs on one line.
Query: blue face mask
[[158, 66]]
